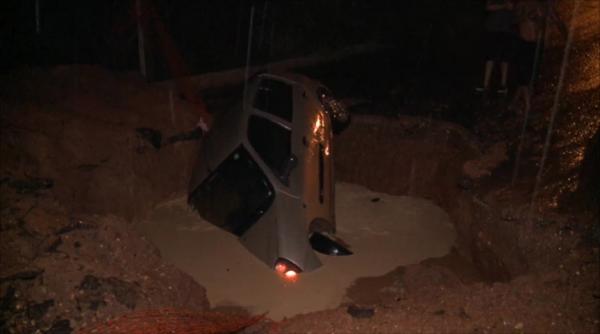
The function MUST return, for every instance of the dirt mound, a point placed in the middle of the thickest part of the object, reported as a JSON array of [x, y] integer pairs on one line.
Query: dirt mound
[[77, 126], [57, 266], [84, 152], [174, 321]]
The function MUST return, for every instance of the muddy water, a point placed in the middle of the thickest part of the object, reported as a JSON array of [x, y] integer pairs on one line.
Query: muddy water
[[384, 234]]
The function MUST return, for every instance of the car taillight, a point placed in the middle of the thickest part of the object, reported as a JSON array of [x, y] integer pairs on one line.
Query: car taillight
[[287, 270], [280, 268], [290, 274]]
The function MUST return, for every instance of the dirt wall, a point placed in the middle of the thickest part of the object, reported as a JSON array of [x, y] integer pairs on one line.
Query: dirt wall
[[420, 157], [78, 126], [85, 151]]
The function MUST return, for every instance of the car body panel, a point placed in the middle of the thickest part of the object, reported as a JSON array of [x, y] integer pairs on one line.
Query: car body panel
[[257, 132]]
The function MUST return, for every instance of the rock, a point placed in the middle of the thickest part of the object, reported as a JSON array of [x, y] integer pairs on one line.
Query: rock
[[589, 181], [126, 293], [463, 314], [87, 167], [90, 282], [61, 326], [490, 160], [75, 224], [195, 134], [545, 222], [508, 215], [37, 311], [8, 300], [53, 244], [31, 185], [44, 221], [465, 183], [152, 136], [93, 288], [23, 275], [96, 304], [360, 312]]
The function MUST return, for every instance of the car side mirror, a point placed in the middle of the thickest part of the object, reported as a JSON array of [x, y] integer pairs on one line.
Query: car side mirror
[[288, 165], [326, 245]]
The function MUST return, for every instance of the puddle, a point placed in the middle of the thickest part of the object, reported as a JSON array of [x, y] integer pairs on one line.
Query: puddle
[[384, 234]]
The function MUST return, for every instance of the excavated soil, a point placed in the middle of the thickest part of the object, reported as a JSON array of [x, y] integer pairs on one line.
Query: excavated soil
[[84, 155], [85, 152], [80, 162]]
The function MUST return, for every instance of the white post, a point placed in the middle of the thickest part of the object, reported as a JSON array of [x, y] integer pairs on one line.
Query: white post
[[140, 38]]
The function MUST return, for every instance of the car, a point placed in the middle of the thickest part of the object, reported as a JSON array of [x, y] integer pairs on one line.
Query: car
[[265, 172]]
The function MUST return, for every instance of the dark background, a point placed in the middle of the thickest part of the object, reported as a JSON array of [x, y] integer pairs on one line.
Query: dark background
[[437, 36]]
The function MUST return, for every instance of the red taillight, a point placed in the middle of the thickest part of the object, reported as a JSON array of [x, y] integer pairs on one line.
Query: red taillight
[[287, 270], [280, 267], [290, 274]]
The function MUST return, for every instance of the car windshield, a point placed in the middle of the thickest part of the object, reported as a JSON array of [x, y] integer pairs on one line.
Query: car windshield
[[235, 195]]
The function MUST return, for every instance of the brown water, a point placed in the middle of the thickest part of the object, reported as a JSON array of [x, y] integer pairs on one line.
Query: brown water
[[394, 231]]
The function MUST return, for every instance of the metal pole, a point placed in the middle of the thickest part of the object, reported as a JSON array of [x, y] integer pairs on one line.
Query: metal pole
[[238, 31], [520, 147], [270, 54], [248, 53], [172, 104], [536, 63], [534, 73], [555, 106], [37, 17], [262, 24], [140, 38]]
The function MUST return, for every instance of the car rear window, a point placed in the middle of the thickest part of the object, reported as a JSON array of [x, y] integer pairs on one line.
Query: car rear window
[[235, 195], [274, 97], [271, 141]]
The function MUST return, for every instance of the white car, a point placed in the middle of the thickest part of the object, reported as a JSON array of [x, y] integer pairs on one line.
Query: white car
[[265, 172]]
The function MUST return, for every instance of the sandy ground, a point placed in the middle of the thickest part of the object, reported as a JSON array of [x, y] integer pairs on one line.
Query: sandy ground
[[384, 231]]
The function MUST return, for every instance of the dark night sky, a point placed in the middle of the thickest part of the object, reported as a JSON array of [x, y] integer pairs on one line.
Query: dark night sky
[[212, 35]]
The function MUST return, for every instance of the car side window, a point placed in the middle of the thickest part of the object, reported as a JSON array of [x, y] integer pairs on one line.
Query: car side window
[[235, 195], [271, 141], [275, 97]]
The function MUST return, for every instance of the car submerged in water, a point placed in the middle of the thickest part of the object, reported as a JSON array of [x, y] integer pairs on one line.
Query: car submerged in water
[[265, 172]]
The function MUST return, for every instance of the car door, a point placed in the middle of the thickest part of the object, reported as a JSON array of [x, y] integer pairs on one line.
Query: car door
[[316, 155]]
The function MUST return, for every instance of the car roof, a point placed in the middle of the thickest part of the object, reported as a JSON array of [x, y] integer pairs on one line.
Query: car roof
[[293, 78]]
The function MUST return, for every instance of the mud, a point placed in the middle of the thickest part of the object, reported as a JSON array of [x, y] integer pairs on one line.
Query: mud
[[396, 230], [409, 155]]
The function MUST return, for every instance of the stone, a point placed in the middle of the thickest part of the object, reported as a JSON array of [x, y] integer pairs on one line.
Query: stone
[[360, 312], [61, 326]]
